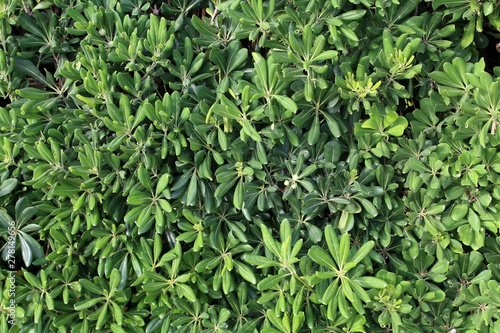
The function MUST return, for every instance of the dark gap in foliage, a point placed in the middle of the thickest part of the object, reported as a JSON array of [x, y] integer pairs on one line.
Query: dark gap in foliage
[[5, 101], [491, 53]]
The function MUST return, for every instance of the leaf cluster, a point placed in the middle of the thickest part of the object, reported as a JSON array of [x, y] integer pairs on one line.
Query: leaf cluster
[[249, 166]]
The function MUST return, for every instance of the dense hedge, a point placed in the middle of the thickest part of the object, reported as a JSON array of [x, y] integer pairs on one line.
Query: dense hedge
[[249, 166]]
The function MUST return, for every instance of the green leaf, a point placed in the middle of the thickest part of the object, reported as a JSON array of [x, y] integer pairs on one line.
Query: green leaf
[[32, 279], [332, 125], [245, 271], [314, 132], [192, 190], [398, 126], [236, 60], [269, 242], [474, 221], [332, 242], [468, 34], [7, 186], [261, 69], [459, 212], [435, 210], [238, 195], [30, 248], [102, 316], [308, 171], [455, 192], [417, 165], [352, 15], [345, 246], [349, 33], [26, 67], [286, 102], [224, 188], [369, 207], [294, 43], [404, 9], [66, 190], [26, 251], [29, 24], [363, 251], [319, 45], [270, 281], [82, 305], [90, 286], [278, 322], [331, 293], [117, 329], [370, 282], [322, 257], [314, 233], [327, 55], [259, 261], [144, 178], [225, 112], [186, 291], [250, 130]]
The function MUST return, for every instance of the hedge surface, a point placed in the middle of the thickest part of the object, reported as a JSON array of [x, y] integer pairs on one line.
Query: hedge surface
[[249, 166]]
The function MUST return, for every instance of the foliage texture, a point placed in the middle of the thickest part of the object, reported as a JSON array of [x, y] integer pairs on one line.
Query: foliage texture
[[250, 166]]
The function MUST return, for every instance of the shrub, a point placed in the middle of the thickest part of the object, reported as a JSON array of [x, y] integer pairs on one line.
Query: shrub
[[249, 166]]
